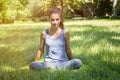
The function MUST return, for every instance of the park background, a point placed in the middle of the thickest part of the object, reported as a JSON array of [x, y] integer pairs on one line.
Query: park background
[[94, 27], [36, 10]]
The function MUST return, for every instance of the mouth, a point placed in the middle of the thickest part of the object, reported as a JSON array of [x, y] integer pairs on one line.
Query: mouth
[[54, 24]]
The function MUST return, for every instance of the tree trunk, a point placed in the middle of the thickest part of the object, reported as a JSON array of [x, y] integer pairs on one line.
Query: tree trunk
[[61, 1], [114, 8], [90, 10]]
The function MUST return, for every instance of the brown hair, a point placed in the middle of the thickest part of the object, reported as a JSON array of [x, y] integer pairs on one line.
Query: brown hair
[[57, 10]]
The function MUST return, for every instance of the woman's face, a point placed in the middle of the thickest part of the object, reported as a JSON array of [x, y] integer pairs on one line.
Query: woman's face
[[55, 20]]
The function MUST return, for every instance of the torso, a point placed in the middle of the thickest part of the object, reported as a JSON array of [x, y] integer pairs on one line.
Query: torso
[[55, 46]]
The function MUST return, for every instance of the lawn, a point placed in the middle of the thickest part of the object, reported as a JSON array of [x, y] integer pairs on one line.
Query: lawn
[[95, 42]]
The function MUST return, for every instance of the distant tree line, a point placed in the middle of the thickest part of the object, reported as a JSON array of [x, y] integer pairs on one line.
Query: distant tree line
[[36, 10]]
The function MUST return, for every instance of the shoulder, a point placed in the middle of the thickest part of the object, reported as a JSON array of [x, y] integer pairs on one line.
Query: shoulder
[[43, 33], [66, 33]]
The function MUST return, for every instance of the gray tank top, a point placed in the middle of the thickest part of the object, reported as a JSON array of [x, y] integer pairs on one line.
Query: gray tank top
[[55, 47]]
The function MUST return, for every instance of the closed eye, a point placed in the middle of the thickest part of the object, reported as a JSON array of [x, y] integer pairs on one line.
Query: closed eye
[[57, 19], [52, 19]]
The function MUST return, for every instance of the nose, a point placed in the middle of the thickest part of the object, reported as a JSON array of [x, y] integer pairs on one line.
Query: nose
[[55, 21]]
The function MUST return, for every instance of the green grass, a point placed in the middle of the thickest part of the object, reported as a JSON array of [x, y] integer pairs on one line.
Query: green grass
[[95, 42]]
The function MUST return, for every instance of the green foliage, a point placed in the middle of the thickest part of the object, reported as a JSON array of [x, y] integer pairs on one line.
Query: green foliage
[[118, 7], [4, 9], [102, 8], [9, 10], [24, 2], [36, 10]]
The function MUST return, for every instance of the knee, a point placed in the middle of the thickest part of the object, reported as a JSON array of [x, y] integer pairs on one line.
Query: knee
[[32, 65], [77, 62]]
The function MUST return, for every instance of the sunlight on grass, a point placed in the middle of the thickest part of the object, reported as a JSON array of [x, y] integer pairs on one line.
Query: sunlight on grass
[[95, 42], [44, 24], [7, 68], [76, 38], [24, 68], [78, 29], [97, 23], [115, 37], [3, 45], [95, 49]]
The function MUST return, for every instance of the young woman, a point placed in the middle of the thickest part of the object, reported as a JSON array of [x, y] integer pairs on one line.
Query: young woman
[[57, 41]]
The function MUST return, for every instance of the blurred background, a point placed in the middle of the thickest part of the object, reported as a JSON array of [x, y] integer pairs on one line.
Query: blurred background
[[12, 11]]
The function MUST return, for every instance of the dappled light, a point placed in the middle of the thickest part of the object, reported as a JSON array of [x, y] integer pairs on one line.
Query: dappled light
[[97, 45], [95, 49], [7, 68], [94, 29]]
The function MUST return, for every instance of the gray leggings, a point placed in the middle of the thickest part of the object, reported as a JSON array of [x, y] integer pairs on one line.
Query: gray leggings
[[71, 64]]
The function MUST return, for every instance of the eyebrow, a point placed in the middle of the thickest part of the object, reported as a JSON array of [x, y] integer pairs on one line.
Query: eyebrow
[[54, 19]]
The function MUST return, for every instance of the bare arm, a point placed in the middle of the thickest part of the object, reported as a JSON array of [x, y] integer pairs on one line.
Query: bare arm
[[41, 48], [68, 49]]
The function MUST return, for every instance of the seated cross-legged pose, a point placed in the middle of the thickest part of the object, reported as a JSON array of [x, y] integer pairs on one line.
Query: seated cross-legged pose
[[57, 41]]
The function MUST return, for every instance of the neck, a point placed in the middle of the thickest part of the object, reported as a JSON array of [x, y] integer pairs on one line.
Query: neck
[[54, 29]]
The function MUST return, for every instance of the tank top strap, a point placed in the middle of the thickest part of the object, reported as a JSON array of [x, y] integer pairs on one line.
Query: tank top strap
[[62, 34], [46, 33]]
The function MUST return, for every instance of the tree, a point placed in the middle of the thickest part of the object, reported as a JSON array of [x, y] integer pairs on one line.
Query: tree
[[115, 8], [11, 10], [89, 8], [58, 4], [82, 7], [4, 8], [103, 7], [39, 9]]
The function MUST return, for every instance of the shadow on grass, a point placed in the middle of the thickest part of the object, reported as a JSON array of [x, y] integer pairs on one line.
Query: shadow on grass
[[94, 35], [39, 75], [99, 68], [103, 64]]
